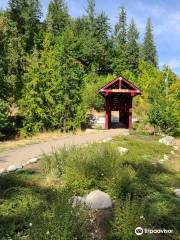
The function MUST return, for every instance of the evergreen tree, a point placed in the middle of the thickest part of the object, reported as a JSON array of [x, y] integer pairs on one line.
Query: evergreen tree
[[57, 18], [52, 93], [91, 10], [102, 28], [12, 58], [121, 28], [120, 40], [149, 53], [26, 16], [132, 48]]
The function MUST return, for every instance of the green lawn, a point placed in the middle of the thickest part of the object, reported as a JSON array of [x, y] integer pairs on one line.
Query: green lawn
[[36, 204]]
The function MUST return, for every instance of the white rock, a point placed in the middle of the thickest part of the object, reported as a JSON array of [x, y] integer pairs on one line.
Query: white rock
[[98, 200], [2, 170], [32, 160], [166, 157], [122, 150], [175, 148], [14, 167], [168, 140], [177, 192], [107, 139], [161, 161], [172, 152]]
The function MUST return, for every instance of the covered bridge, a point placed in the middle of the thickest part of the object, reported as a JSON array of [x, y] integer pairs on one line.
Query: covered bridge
[[118, 95]]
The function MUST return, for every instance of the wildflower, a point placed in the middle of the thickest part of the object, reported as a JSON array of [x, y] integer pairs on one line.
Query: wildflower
[[30, 224], [47, 232]]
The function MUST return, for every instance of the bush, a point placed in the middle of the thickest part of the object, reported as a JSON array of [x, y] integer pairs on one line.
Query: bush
[[84, 168], [6, 125], [164, 115], [129, 214]]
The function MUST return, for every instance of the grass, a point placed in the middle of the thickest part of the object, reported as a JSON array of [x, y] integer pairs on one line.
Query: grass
[[37, 205]]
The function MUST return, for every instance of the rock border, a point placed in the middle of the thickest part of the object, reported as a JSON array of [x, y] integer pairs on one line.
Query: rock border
[[18, 166]]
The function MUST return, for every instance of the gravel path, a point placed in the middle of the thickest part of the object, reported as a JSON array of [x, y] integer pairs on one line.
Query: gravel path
[[22, 154]]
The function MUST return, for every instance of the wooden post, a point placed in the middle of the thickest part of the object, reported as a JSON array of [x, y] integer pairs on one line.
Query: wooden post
[[130, 113], [107, 109]]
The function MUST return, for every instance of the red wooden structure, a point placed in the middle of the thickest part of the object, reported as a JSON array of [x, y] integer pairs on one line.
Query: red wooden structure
[[118, 96]]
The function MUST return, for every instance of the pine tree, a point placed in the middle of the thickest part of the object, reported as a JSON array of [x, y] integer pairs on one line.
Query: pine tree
[[57, 18], [102, 28], [91, 10], [120, 40], [149, 52], [121, 28], [132, 48], [26, 16]]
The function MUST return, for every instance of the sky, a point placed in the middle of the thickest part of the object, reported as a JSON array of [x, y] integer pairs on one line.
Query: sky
[[165, 16]]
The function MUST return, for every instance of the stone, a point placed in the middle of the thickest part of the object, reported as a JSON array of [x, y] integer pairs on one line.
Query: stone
[[98, 200], [168, 140], [14, 167], [108, 139], [32, 160], [166, 157], [161, 161], [177, 192], [2, 170], [122, 150]]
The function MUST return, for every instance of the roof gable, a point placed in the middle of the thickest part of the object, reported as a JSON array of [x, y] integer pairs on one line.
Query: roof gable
[[120, 85]]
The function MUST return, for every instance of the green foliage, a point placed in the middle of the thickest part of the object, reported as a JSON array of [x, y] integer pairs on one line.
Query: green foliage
[[91, 99], [53, 88], [12, 60], [59, 220], [30, 209], [149, 49], [57, 18], [35, 212], [164, 114], [26, 16], [4, 118], [128, 215], [142, 192], [132, 48]]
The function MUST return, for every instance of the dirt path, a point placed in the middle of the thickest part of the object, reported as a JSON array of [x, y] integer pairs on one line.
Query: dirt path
[[22, 154]]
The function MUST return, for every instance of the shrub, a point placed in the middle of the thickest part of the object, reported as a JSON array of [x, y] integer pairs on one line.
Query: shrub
[[6, 126], [164, 115], [129, 214]]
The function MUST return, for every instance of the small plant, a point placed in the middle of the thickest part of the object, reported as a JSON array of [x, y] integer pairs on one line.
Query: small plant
[[59, 220], [129, 214]]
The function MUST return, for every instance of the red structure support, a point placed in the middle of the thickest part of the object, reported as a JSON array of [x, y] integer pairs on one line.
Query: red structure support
[[108, 111], [118, 96]]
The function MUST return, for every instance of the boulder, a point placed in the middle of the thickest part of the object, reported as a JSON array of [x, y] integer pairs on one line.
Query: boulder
[[98, 200], [168, 140], [32, 160], [122, 150], [14, 167], [177, 192]]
